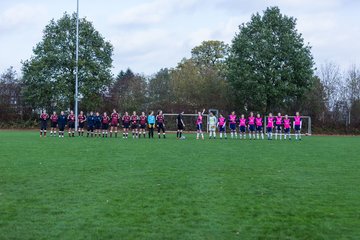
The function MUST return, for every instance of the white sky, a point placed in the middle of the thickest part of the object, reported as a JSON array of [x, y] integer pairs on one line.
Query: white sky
[[153, 34]]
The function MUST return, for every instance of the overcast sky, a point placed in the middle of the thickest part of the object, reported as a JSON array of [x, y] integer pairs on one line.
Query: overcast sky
[[151, 34]]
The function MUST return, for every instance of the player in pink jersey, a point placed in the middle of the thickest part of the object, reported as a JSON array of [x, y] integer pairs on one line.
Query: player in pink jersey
[[287, 126], [259, 126], [251, 123], [199, 122], [43, 123], [242, 127], [278, 124], [105, 120], [53, 123], [270, 126], [126, 124], [82, 120], [232, 124], [114, 123], [71, 124], [297, 125], [222, 126], [142, 123]]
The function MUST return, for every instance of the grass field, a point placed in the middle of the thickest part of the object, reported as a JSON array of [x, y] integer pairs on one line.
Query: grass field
[[167, 189]]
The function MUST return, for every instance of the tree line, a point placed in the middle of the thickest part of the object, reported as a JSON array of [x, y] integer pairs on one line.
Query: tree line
[[267, 67]]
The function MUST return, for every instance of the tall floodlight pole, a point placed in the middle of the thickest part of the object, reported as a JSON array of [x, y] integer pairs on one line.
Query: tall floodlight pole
[[77, 68]]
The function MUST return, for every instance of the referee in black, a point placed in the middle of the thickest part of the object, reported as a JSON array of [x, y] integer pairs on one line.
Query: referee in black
[[180, 125]]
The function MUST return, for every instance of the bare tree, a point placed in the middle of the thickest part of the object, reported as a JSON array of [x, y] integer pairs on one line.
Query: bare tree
[[352, 89], [331, 78]]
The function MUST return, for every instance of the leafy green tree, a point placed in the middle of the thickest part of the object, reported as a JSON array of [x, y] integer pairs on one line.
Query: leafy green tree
[[210, 54], [129, 92], [160, 91], [269, 65], [49, 75]]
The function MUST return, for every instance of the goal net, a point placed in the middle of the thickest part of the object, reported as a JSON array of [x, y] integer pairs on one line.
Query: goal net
[[305, 125], [189, 121]]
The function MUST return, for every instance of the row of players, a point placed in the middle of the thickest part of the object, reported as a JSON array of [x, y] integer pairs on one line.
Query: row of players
[[254, 125], [98, 125]]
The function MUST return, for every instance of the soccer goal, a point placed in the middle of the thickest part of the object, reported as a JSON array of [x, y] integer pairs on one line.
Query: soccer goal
[[305, 126], [189, 121]]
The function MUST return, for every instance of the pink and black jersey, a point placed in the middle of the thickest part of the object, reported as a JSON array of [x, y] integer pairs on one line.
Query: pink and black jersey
[[81, 118], [126, 119], [287, 123], [297, 120], [278, 120], [71, 118], [115, 118], [134, 119], [258, 121], [160, 119], [54, 118], [242, 122], [251, 120], [44, 117], [199, 120], [222, 121], [143, 120], [270, 122], [232, 119], [105, 120]]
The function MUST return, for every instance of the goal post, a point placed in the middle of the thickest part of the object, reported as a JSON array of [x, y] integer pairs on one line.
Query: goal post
[[305, 126]]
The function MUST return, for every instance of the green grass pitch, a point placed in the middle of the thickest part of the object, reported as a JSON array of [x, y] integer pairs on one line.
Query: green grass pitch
[[167, 189]]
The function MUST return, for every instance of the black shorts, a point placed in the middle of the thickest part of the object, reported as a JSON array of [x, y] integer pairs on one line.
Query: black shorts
[[126, 125], [61, 127], [43, 125], [97, 126], [259, 128], [180, 127], [242, 129], [105, 126], [81, 125], [134, 126], [71, 125], [252, 128], [287, 130], [90, 128], [53, 124], [161, 127], [278, 127], [142, 126]]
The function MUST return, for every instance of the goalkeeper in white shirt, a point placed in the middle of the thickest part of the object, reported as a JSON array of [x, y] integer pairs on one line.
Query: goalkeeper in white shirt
[[212, 125]]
